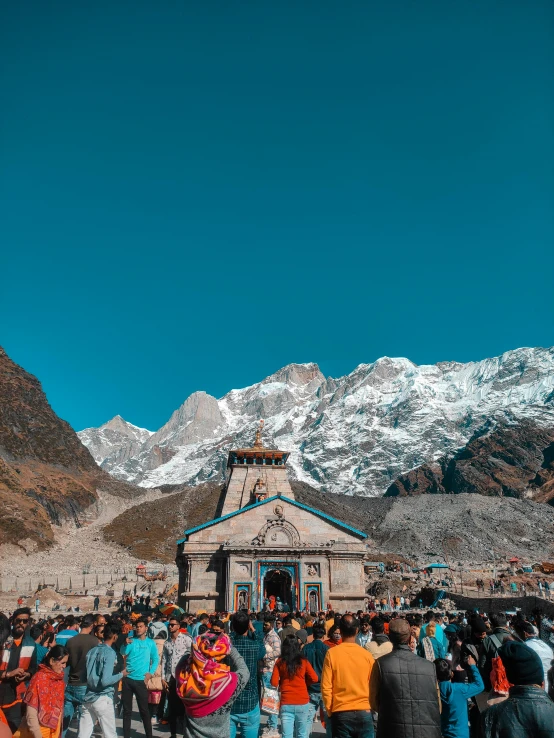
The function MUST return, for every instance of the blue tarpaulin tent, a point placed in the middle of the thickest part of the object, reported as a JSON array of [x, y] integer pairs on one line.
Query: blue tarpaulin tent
[[432, 566]]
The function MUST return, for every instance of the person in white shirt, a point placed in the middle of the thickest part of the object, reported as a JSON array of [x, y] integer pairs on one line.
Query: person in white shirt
[[528, 632]]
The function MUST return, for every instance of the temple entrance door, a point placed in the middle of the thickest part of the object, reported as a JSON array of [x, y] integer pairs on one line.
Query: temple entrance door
[[278, 583]]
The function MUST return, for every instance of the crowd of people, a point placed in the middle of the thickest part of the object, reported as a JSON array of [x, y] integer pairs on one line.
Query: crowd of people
[[389, 674], [539, 587]]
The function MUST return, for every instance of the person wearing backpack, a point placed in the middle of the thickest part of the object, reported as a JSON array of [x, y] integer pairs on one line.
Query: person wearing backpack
[[98, 702], [454, 697], [493, 663]]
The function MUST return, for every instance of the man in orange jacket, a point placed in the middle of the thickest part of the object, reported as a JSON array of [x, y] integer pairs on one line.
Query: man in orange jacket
[[345, 684]]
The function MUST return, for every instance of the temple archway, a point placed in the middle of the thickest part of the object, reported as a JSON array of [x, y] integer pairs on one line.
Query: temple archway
[[277, 533], [278, 584]]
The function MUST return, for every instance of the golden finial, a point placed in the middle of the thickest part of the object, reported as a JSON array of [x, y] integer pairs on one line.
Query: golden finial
[[258, 442]]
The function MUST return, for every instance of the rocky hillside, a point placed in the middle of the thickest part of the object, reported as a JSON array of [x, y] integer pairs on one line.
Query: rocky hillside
[[464, 527], [354, 435], [508, 461], [46, 474]]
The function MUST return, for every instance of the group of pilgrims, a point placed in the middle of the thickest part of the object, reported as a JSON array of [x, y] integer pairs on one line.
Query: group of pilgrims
[[294, 675]]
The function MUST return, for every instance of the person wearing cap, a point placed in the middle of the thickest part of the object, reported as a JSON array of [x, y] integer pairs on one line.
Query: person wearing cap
[[528, 712], [380, 644], [403, 690], [345, 679], [481, 647]]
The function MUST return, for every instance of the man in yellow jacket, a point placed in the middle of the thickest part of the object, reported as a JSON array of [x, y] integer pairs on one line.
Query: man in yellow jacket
[[345, 684]]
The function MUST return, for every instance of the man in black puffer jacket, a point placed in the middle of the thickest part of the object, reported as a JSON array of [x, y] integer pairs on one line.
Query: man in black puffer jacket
[[403, 690]]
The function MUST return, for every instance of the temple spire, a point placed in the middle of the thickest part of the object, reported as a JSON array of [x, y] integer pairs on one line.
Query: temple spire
[[258, 442]]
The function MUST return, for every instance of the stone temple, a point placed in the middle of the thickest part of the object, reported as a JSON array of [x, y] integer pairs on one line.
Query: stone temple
[[265, 545]]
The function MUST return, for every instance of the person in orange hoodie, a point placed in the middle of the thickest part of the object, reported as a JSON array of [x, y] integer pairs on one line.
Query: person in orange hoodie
[[345, 684]]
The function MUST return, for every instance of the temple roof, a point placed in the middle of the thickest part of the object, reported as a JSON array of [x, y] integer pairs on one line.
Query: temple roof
[[275, 498]]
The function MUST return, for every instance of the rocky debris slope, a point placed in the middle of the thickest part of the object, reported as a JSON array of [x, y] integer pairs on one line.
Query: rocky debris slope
[[464, 527], [509, 461], [467, 528], [77, 548], [47, 476], [355, 434]]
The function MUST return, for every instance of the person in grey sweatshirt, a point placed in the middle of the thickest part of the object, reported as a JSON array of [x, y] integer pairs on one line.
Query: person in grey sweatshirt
[[98, 702]]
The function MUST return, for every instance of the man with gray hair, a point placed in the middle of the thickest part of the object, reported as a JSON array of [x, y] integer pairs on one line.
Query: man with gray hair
[[403, 690]]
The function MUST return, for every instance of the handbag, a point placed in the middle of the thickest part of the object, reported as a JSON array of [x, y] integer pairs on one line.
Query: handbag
[[154, 684], [270, 700]]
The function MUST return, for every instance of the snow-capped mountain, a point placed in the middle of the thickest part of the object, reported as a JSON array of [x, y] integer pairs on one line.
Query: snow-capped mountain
[[354, 434], [117, 439]]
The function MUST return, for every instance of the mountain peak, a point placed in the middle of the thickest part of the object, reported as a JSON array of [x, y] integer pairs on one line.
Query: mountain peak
[[296, 374], [354, 434], [119, 424]]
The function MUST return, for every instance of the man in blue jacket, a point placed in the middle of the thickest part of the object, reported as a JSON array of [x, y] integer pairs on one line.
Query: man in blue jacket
[[141, 660], [454, 697], [98, 701]]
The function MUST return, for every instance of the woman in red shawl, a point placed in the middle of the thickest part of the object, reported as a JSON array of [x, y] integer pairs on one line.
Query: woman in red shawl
[[44, 697]]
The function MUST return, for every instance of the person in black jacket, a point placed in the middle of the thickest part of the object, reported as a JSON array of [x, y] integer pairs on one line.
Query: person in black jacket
[[315, 653], [480, 647], [528, 712], [403, 690]]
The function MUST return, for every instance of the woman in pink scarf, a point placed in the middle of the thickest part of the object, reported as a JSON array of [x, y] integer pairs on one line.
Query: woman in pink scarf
[[208, 687]]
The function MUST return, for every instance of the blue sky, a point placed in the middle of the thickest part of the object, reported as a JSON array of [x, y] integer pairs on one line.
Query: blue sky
[[193, 195]]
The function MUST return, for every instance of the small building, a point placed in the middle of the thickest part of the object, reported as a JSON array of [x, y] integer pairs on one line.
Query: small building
[[267, 545]]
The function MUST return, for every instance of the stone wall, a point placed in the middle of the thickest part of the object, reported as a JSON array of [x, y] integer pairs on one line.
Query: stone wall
[[76, 582], [347, 576], [497, 604]]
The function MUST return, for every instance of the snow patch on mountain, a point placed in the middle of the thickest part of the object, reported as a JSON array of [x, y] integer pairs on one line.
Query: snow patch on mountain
[[353, 434]]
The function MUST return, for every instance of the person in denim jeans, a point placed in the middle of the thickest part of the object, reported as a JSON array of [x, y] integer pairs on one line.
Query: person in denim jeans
[[345, 680], [315, 652], [272, 644], [293, 673], [245, 713], [78, 648]]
